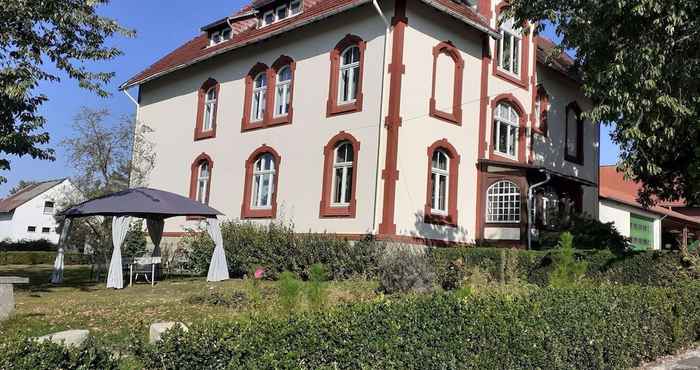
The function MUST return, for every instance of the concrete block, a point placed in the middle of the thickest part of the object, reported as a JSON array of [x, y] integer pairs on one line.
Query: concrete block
[[7, 294], [157, 329], [67, 338]]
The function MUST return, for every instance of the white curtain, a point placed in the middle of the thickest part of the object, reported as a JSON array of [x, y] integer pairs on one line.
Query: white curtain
[[58, 265], [155, 231], [120, 225], [218, 269]]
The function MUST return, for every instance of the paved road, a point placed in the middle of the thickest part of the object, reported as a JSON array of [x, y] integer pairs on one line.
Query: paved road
[[684, 361]]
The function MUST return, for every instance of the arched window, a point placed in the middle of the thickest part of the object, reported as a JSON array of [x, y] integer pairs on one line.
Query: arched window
[[260, 188], [208, 96], [257, 109], [505, 130], [441, 195], [448, 69], [339, 176], [503, 202], [345, 92], [283, 91], [200, 178]]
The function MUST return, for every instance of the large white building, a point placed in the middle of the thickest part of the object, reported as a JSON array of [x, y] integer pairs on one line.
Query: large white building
[[412, 120], [29, 213]]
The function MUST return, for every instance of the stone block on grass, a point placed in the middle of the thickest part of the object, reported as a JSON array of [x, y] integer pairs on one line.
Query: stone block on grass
[[157, 329], [67, 338]]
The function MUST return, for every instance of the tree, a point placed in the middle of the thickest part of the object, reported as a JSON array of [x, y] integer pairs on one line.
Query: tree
[[639, 61], [21, 185], [33, 33]]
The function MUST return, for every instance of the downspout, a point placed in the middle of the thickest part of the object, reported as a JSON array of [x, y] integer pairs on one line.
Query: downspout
[[531, 208], [381, 114]]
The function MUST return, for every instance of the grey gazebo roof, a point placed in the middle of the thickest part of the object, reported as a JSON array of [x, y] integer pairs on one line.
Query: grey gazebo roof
[[142, 203]]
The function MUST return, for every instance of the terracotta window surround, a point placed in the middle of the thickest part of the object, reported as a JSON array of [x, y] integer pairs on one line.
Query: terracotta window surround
[[332, 106], [247, 211], [194, 174], [454, 116], [524, 55], [578, 158], [326, 209], [512, 101], [543, 98], [199, 133], [269, 119], [451, 218]]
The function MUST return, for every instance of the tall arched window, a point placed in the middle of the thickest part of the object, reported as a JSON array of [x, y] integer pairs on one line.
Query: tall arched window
[[283, 91], [443, 175], [203, 183], [260, 188], [506, 123], [339, 176], [345, 92], [448, 70], [200, 178], [208, 96], [503, 202], [257, 109]]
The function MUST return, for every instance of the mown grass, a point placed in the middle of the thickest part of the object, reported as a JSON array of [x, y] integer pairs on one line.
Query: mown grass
[[112, 315]]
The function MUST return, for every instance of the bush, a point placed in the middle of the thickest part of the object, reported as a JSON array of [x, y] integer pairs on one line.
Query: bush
[[289, 288], [589, 233], [41, 258], [41, 245], [317, 292], [603, 327], [277, 248], [135, 241], [31, 355], [405, 269], [567, 270]]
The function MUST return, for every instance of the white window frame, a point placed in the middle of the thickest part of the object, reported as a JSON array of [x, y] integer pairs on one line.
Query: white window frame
[[352, 68], [260, 97], [507, 30], [220, 36], [259, 175], [346, 177], [503, 199], [31, 227], [203, 182], [436, 174], [49, 210], [209, 109], [513, 128], [275, 12], [291, 6], [264, 18], [283, 92]]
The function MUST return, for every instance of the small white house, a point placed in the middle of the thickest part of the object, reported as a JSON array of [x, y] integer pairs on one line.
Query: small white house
[[29, 213]]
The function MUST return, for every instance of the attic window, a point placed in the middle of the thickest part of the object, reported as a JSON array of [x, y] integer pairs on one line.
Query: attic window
[[280, 12], [49, 208], [219, 36]]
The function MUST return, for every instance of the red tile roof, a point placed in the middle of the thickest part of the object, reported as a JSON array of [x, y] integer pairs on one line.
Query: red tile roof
[[615, 187], [245, 32], [562, 63], [26, 194]]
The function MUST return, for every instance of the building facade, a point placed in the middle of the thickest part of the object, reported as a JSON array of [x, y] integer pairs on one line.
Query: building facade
[[412, 120]]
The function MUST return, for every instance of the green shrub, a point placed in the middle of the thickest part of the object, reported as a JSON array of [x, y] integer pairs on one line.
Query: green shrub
[[592, 327], [317, 292], [289, 288], [40, 245], [277, 248], [236, 299], [404, 269], [589, 233], [135, 241], [32, 355], [567, 270], [41, 258]]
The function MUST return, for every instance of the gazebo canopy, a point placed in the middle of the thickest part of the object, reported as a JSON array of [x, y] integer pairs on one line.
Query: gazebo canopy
[[142, 203]]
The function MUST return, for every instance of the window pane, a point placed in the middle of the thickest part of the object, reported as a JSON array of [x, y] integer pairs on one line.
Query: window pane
[[442, 193], [265, 190], [295, 6], [348, 184], [502, 137], [516, 55], [506, 59], [433, 185], [338, 181], [281, 13], [571, 133]]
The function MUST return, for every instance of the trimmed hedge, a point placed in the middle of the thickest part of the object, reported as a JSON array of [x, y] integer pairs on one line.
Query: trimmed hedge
[[40, 245], [32, 355], [41, 258], [603, 327]]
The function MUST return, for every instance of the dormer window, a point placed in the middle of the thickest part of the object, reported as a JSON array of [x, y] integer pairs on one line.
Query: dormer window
[[219, 36], [280, 12]]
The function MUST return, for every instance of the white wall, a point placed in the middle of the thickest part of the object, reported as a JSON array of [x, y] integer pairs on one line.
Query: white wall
[[619, 214]]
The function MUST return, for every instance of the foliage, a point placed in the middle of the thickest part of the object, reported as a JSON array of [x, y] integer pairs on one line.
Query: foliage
[[135, 243], [568, 272], [317, 291], [639, 61], [588, 233], [40, 258], [591, 327], [290, 289], [277, 248], [33, 34], [40, 245], [31, 355], [235, 299], [21, 185], [403, 269]]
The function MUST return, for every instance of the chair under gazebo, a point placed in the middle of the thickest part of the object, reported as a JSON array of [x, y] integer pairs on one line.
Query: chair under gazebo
[[153, 205]]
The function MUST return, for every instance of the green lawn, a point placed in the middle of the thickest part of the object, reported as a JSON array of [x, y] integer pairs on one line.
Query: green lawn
[[113, 314]]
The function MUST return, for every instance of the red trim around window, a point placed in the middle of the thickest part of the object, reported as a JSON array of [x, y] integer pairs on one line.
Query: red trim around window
[[524, 57], [451, 218], [522, 117], [541, 126], [194, 173], [326, 209], [276, 66], [333, 108], [246, 210], [199, 133], [455, 115], [246, 123], [578, 159]]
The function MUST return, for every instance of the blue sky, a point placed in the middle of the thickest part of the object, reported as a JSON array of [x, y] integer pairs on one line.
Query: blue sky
[[161, 26]]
